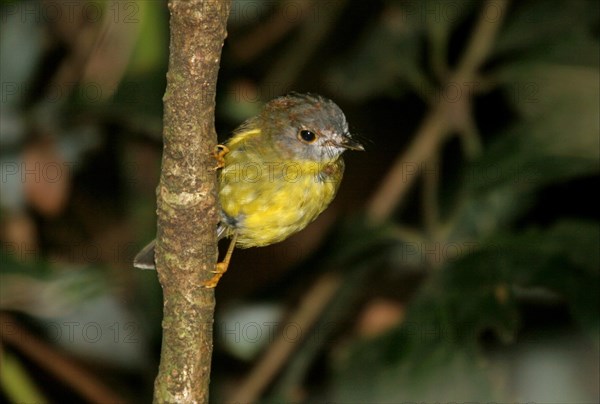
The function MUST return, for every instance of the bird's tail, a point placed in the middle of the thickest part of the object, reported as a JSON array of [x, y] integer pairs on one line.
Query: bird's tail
[[145, 258]]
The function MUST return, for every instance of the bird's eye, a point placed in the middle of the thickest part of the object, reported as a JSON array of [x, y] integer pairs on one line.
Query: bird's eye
[[307, 136]]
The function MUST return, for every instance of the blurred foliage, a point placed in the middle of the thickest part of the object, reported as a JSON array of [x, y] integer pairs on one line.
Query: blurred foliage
[[16, 382], [546, 63], [516, 230], [436, 353]]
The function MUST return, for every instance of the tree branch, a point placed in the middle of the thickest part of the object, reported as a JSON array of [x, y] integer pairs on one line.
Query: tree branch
[[442, 118], [186, 248], [59, 365]]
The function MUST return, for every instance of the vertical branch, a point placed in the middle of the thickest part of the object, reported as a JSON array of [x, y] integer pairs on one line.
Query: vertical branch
[[187, 215]]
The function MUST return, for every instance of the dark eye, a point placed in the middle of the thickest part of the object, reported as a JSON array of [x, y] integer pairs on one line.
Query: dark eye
[[307, 136]]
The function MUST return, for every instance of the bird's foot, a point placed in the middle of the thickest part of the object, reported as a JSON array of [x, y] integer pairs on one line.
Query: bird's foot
[[219, 154]]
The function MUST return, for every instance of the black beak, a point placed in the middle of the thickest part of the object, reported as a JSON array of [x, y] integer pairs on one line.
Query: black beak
[[350, 144]]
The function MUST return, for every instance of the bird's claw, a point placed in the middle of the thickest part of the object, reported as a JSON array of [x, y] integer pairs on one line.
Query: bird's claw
[[218, 273], [219, 154]]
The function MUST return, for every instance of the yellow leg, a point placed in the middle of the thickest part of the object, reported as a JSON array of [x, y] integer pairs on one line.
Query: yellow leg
[[219, 154], [222, 266]]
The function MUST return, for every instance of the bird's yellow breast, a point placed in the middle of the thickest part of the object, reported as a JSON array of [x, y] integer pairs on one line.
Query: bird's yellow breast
[[267, 199]]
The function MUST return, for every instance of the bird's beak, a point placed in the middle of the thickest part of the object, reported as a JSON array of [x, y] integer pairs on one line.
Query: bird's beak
[[350, 144]]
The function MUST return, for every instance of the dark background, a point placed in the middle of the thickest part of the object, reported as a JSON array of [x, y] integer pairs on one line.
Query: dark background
[[481, 285]]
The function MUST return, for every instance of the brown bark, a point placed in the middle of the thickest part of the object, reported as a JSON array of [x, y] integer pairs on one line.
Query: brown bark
[[186, 250]]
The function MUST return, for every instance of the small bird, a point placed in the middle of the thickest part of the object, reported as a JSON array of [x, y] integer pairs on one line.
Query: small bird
[[279, 171]]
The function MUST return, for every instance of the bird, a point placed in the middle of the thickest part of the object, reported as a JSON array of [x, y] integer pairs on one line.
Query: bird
[[276, 174]]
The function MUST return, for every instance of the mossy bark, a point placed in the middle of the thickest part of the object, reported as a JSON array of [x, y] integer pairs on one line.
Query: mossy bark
[[186, 250]]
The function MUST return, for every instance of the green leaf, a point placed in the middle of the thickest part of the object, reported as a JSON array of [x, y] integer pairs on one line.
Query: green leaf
[[563, 258], [557, 138], [16, 383], [152, 46], [22, 46], [436, 354], [577, 47], [386, 59], [535, 89], [538, 24]]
